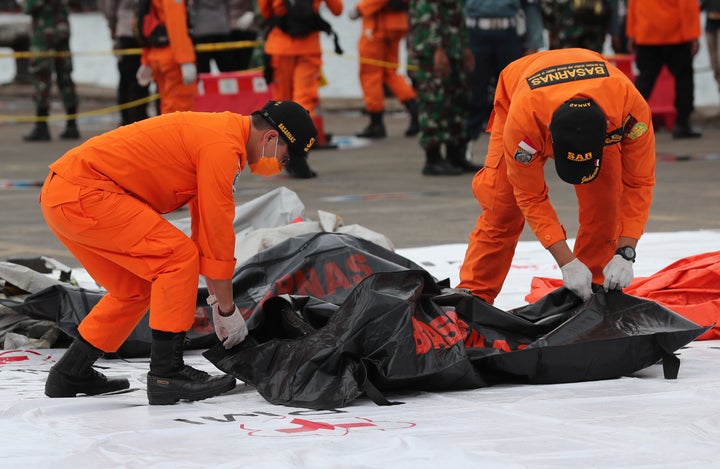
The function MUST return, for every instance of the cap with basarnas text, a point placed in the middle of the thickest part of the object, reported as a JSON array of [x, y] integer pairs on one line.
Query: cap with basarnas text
[[294, 124], [578, 129]]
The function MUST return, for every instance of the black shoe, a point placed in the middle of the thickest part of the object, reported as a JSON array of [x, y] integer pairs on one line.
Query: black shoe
[[39, 133], [467, 166], [70, 133], [373, 131], [685, 131], [171, 380], [93, 382], [73, 374], [187, 384], [414, 110], [441, 168]]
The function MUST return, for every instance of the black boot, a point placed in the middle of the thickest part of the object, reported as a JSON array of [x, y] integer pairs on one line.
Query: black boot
[[170, 379], [74, 374], [40, 132], [413, 109], [435, 165], [456, 156], [71, 131], [376, 128], [681, 131]]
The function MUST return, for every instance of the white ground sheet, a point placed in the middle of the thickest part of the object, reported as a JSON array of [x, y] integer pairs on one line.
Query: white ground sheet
[[640, 420]]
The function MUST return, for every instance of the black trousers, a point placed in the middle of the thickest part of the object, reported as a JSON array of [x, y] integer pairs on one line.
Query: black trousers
[[679, 60], [128, 87]]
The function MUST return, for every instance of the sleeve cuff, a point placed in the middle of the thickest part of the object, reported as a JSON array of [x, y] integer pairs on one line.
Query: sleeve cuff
[[219, 270]]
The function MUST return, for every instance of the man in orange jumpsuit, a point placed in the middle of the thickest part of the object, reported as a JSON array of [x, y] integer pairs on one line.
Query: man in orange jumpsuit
[[575, 107], [295, 58], [169, 57], [384, 25], [105, 201], [666, 32]]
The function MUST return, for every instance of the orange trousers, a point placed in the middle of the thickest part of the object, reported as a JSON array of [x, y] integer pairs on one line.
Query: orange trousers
[[492, 243], [373, 77], [174, 94], [297, 78], [141, 259]]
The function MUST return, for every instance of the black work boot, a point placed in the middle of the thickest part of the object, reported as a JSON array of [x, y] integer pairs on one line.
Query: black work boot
[[413, 109], [71, 131], [681, 131], [435, 165], [171, 380], [456, 155], [376, 128], [73, 374], [39, 133]]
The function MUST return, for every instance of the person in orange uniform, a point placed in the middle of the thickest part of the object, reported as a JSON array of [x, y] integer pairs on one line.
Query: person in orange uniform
[[295, 61], [105, 201], [170, 61], [384, 25], [573, 106], [666, 32]]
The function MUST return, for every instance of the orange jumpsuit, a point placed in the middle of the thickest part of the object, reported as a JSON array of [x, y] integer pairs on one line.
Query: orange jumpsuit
[[296, 61], [660, 22], [382, 31], [511, 187], [105, 199], [165, 61]]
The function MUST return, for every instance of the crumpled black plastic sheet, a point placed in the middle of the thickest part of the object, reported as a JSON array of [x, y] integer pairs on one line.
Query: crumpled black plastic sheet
[[399, 331]]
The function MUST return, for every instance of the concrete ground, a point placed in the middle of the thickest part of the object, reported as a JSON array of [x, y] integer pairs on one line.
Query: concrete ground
[[379, 185]]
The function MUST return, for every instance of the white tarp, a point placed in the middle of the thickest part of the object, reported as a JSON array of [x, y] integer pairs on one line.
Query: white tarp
[[643, 420]]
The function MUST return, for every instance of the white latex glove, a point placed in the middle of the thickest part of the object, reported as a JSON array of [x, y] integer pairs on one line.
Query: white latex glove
[[354, 14], [230, 329], [618, 273], [189, 72], [578, 278], [245, 20], [144, 75]]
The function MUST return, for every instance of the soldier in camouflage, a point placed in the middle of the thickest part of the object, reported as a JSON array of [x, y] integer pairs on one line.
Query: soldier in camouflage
[[51, 33], [579, 23], [441, 59]]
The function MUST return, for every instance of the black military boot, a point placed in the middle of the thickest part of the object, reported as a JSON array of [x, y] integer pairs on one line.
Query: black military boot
[[40, 132], [413, 109], [73, 374], [376, 128], [170, 379], [71, 131], [435, 165], [456, 155]]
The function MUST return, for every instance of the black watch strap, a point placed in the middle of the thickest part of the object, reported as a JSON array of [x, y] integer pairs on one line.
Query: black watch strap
[[626, 252]]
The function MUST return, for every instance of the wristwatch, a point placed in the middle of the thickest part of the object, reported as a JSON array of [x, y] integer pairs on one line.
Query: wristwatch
[[627, 253]]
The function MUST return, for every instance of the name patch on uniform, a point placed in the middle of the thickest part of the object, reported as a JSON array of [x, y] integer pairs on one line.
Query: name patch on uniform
[[567, 72]]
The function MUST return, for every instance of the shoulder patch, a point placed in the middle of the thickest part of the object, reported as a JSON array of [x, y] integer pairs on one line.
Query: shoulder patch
[[567, 72], [525, 151]]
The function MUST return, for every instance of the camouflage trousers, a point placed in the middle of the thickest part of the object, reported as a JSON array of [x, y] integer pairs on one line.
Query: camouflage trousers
[[42, 69], [443, 103]]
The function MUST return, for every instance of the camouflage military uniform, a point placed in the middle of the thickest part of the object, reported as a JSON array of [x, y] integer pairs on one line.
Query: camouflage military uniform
[[443, 101], [579, 23], [51, 33]]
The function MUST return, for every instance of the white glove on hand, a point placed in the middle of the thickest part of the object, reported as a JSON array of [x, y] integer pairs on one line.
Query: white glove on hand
[[354, 14], [144, 75], [618, 273], [245, 20], [578, 278], [230, 329], [189, 72]]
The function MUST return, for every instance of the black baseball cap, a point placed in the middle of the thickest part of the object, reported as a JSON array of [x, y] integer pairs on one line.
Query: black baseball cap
[[578, 129], [293, 123]]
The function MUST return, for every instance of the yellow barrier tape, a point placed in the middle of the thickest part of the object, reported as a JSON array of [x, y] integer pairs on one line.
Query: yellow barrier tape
[[96, 112]]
